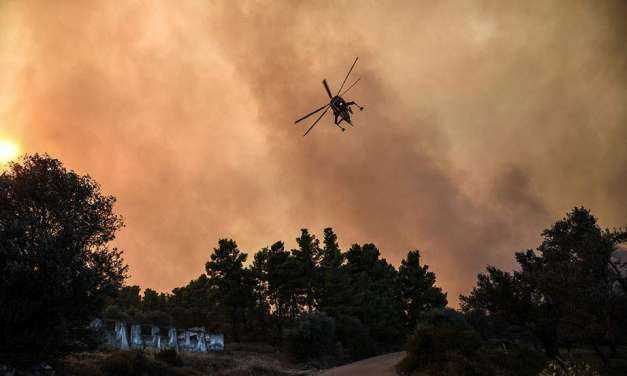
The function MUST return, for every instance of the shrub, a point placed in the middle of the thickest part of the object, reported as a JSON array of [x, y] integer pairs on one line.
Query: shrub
[[512, 359], [434, 343], [441, 336], [355, 338], [313, 336]]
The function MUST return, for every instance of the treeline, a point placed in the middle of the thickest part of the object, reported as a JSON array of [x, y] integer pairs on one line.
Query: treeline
[[315, 298], [58, 271]]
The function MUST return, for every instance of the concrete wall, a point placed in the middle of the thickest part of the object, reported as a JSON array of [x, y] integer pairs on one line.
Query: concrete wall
[[126, 336]]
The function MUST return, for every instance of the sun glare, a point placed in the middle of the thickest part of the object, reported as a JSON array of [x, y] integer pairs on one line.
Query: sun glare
[[9, 151]]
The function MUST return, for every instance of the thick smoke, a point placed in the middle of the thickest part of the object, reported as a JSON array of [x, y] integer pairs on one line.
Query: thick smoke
[[484, 122]]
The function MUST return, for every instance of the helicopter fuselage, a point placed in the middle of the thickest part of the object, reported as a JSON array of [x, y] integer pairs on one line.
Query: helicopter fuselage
[[340, 108]]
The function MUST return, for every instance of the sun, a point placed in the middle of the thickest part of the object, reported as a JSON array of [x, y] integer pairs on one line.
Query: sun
[[9, 151]]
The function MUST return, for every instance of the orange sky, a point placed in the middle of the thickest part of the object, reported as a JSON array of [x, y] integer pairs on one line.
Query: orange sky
[[485, 121]]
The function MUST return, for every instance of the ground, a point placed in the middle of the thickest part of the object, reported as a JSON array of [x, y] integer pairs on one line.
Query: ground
[[382, 365], [239, 359]]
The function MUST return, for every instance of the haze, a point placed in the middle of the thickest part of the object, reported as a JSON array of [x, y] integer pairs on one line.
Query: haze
[[485, 122]]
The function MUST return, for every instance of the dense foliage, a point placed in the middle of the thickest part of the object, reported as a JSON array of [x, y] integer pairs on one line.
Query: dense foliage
[[312, 336], [443, 343], [56, 266], [568, 293]]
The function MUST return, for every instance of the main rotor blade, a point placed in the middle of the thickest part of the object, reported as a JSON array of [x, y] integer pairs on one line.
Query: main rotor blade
[[348, 74], [311, 113], [316, 122], [326, 86], [350, 87]]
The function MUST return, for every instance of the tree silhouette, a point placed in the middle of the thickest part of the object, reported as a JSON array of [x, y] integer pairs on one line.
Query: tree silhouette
[[371, 302], [307, 257], [154, 301], [129, 298], [195, 305], [56, 265], [278, 276], [234, 285], [567, 291], [333, 286], [418, 290], [374, 295]]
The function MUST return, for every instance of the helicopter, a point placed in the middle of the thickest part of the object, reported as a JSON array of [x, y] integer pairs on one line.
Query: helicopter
[[341, 108]]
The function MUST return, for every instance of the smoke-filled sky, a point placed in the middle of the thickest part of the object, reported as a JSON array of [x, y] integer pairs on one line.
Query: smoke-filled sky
[[485, 121]]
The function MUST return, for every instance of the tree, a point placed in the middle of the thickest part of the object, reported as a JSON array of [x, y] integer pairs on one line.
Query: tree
[[195, 304], [233, 284], [374, 295], [575, 278], [278, 275], [333, 284], [129, 298], [154, 301], [567, 291], [500, 302], [418, 290], [56, 265], [307, 256]]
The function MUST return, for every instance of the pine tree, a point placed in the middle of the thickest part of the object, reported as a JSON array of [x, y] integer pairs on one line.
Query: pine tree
[[333, 284], [375, 295], [234, 285], [418, 290], [307, 256]]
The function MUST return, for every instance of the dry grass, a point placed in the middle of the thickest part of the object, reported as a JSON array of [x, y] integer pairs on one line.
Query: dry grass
[[238, 360]]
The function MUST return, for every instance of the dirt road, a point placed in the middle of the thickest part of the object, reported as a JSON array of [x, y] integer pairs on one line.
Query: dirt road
[[382, 365]]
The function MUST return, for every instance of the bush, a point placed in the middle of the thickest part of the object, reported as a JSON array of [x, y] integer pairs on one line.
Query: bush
[[355, 338], [429, 345], [444, 345], [313, 336], [512, 359], [435, 342], [443, 331], [441, 336]]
